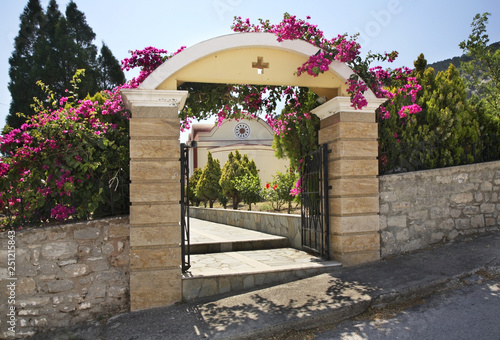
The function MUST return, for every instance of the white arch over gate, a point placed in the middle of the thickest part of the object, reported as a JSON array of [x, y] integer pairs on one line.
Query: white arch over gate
[[234, 42]]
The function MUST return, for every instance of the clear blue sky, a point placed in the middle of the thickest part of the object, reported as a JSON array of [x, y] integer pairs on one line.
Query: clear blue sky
[[410, 27]]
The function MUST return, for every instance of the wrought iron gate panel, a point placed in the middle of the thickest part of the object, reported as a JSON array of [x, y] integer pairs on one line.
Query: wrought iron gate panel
[[314, 202], [184, 202]]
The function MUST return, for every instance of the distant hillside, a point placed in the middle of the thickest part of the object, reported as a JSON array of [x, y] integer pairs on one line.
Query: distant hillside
[[444, 64]]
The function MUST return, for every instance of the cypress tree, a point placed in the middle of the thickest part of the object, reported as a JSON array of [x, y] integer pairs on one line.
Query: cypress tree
[[51, 47], [46, 59], [193, 182], [111, 73], [232, 169], [208, 186], [249, 164], [81, 36], [248, 183], [454, 125], [22, 80]]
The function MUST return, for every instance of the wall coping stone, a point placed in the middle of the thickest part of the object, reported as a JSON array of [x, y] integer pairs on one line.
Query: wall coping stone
[[248, 212], [451, 169], [124, 219]]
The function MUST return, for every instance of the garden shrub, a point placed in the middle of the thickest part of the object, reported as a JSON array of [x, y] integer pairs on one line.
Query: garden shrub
[[68, 161]]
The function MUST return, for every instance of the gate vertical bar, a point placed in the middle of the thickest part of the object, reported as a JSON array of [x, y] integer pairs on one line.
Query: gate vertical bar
[[326, 203], [185, 243]]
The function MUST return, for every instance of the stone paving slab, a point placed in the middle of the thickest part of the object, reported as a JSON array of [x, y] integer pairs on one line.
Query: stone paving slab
[[256, 261], [219, 273], [211, 232]]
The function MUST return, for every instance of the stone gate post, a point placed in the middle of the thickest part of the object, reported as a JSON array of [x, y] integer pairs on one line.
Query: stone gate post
[[155, 253], [353, 169]]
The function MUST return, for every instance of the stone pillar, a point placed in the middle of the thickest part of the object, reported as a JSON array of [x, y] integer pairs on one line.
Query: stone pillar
[[155, 253], [353, 169]]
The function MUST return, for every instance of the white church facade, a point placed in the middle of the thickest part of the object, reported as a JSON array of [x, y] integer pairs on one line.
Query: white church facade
[[251, 137]]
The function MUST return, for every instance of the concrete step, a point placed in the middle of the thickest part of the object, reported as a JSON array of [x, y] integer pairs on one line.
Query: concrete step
[[218, 247], [210, 237], [225, 272]]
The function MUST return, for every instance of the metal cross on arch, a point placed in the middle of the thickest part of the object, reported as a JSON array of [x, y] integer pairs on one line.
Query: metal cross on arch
[[260, 65]]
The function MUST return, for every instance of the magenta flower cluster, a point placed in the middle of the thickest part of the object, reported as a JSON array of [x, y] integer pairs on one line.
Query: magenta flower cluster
[[343, 49], [148, 59], [283, 124], [57, 154], [296, 190], [61, 212], [291, 28]]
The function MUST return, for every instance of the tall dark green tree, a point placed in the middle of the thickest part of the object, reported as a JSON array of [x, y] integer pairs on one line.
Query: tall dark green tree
[[46, 56], [22, 80], [248, 183], [193, 182], [84, 51], [50, 47], [232, 169], [250, 165], [110, 73], [208, 187]]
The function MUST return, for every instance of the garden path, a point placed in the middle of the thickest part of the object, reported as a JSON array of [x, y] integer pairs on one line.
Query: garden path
[[226, 259]]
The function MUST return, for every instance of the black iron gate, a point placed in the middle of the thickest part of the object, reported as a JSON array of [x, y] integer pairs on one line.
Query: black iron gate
[[314, 202], [185, 245]]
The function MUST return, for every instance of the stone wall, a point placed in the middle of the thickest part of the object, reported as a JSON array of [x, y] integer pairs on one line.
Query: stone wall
[[421, 208], [275, 224], [65, 275]]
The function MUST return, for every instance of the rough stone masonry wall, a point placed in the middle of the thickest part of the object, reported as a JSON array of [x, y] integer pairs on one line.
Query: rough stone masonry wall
[[65, 275], [421, 208]]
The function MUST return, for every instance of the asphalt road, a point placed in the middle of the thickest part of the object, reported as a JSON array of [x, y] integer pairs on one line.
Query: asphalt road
[[471, 312]]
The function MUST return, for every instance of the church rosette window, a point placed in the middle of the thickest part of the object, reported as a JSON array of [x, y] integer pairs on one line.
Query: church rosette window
[[242, 130]]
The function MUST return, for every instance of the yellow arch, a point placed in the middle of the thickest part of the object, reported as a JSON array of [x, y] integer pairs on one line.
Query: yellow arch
[[248, 58]]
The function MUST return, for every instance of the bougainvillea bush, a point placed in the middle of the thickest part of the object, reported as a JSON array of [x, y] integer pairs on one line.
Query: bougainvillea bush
[[345, 49], [66, 161], [71, 159], [236, 101]]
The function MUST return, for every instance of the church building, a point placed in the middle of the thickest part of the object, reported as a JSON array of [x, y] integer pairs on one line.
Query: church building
[[251, 137]]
